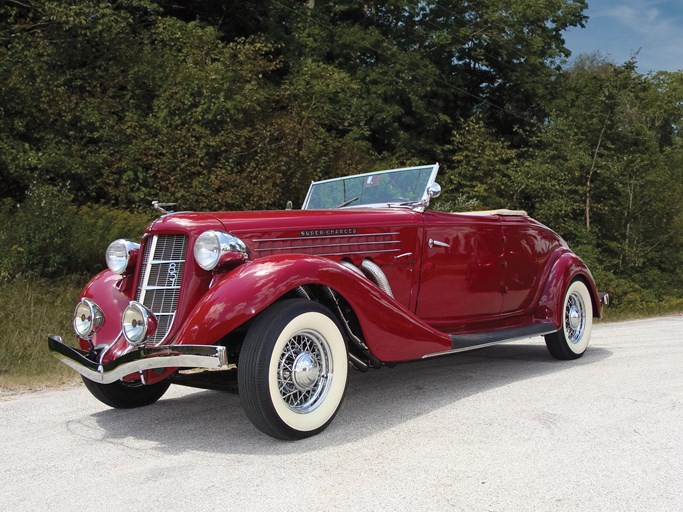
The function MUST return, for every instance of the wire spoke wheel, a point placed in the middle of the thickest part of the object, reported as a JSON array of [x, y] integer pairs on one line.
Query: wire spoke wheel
[[575, 317], [571, 341], [292, 369], [303, 371]]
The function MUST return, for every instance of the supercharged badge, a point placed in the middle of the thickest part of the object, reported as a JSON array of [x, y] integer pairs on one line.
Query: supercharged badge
[[329, 232]]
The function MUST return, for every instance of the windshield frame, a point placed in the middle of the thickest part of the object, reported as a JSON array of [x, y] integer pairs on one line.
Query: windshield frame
[[424, 200]]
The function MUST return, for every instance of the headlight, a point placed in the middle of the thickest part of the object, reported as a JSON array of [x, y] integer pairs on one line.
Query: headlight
[[137, 323], [87, 319], [120, 254], [215, 247]]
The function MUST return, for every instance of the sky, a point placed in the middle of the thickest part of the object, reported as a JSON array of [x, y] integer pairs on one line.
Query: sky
[[619, 28]]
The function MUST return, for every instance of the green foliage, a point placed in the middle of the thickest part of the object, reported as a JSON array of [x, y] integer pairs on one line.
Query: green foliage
[[108, 105], [482, 166], [48, 236], [605, 171]]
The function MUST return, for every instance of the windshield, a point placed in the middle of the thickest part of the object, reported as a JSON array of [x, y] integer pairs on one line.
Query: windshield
[[381, 188]]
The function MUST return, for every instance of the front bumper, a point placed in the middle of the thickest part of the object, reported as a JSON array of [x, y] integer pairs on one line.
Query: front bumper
[[168, 356]]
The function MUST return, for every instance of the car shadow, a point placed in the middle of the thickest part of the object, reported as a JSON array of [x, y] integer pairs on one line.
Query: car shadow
[[213, 421]]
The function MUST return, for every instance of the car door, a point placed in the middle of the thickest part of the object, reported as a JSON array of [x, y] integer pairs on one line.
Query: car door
[[460, 276]]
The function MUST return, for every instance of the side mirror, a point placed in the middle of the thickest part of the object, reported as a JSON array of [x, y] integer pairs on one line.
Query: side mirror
[[289, 205], [434, 190]]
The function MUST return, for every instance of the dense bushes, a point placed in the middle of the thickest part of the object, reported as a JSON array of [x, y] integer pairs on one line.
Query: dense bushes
[[239, 105], [48, 236]]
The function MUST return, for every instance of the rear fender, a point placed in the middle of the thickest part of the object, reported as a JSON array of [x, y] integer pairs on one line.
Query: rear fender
[[565, 269], [391, 332]]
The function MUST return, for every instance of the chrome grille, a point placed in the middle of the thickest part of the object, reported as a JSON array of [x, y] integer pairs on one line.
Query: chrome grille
[[161, 274]]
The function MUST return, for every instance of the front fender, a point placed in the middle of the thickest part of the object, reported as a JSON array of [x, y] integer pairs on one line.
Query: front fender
[[391, 332], [105, 290], [565, 269]]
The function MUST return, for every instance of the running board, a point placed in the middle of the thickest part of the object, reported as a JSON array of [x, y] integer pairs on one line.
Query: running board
[[464, 342]]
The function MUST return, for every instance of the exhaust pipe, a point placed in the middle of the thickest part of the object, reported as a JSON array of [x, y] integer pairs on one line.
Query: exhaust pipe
[[377, 276]]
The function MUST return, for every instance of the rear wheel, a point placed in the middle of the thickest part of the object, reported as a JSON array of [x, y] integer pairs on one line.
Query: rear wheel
[[571, 341], [122, 395], [292, 370]]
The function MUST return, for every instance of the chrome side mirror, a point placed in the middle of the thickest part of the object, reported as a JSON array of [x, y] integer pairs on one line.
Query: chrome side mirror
[[434, 190]]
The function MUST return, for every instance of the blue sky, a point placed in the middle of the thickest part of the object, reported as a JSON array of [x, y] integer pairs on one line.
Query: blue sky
[[618, 28]]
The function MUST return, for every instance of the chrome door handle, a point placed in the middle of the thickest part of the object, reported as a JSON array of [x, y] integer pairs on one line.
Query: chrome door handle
[[433, 242]]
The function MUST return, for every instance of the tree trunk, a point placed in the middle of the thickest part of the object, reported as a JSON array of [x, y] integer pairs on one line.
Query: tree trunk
[[590, 175], [627, 218]]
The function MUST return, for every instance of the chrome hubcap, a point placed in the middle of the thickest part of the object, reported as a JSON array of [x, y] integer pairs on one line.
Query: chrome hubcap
[[575, 318], [305, 371]]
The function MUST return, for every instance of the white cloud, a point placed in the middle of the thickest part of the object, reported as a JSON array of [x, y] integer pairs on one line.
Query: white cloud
[[619, 28], [645, 18]]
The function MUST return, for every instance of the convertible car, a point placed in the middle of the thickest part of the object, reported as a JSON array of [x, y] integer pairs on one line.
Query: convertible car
[[281, 304]]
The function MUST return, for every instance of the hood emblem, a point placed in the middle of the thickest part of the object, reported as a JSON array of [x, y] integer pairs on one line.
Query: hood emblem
[[172, 274], [160, 207]]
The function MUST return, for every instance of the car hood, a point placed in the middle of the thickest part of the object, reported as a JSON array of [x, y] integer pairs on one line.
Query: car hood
[[312, 222]]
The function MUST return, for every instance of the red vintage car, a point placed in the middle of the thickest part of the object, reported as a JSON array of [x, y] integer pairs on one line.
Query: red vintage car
[[284, 302]]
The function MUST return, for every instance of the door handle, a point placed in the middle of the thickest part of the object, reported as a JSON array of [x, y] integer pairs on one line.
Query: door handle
[[433, 242]]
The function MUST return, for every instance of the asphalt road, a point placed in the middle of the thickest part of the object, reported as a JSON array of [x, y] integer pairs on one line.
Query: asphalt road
[[503, 428]]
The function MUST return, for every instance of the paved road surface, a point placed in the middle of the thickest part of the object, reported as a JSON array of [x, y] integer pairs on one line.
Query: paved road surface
[[503, 428]]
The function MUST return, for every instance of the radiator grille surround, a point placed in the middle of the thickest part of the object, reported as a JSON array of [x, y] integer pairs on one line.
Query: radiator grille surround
[[159, 281]]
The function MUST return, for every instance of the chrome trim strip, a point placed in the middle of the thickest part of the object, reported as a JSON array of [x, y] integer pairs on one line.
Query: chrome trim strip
[[355, 252], [328, 245], [322, 236], [168, 356], [514, 337], [148, 270], [464, 349], [163, 287]]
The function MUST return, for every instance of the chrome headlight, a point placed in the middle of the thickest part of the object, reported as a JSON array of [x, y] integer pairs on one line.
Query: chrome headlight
[[137, 323], [215, 247], [87, 319], [120, 254]]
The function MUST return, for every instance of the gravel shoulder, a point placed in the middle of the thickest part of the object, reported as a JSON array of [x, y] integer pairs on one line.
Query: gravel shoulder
[[502, 428]]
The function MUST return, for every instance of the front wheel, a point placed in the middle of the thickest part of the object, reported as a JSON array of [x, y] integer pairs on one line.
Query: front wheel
[[571, 341], [292, 370], [122, 395]]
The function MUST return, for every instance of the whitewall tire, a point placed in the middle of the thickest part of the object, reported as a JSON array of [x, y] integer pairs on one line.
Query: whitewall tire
[[571, 341], [292, 369]]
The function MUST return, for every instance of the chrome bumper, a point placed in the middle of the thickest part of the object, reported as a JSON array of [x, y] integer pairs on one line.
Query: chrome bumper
[[169, 356]]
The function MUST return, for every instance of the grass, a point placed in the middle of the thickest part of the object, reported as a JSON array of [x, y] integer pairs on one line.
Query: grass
[[669, 306], [29, 311]]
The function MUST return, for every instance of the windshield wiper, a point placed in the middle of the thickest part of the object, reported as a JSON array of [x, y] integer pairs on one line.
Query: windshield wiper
[[346, 203]]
